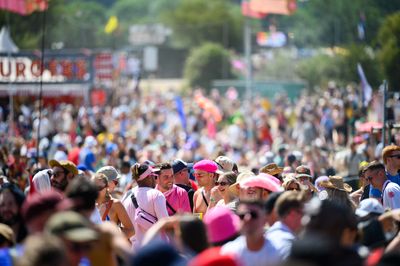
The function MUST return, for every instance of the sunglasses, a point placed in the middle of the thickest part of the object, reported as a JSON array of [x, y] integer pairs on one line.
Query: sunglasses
[[57, 173], [253, 215], [222, 183], [115, 182], [397, 156]]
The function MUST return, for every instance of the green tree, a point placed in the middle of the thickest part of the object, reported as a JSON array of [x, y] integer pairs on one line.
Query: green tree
[[334, 22], [207, 63], [389, 38], [131, 12], [319, 70], [81, 24], [197, 21], [358, 54]]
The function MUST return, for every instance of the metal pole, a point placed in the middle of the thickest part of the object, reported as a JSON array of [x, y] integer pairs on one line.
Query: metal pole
[[10, 88], [247, 52], [384, 113], [11, 99]]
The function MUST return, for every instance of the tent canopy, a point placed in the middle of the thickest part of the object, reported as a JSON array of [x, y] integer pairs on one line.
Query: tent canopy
[[7, 45]]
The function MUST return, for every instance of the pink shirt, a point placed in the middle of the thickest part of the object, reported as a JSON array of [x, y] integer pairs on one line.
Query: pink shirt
[[152, 201], [178, 198]]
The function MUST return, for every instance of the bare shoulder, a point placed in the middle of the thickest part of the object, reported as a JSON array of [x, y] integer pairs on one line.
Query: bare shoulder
[[117, 204], [197, 193]]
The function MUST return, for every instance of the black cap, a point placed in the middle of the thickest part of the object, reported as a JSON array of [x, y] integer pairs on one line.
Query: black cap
[[178, 165]]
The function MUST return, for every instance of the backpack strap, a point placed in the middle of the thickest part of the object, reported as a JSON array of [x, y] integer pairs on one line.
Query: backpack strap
[[134, 201], [204, 198], [170, 207]]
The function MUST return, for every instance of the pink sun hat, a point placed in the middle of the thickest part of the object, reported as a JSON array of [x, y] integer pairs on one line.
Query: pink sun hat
[[270, 177], [206, 165], [261, 182], [221, 223]]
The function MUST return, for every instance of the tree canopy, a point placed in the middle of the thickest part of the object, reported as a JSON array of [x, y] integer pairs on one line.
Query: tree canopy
[[315, 24], [389, 38]]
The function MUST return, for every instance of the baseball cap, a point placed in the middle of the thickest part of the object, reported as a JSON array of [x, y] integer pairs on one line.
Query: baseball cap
[[67, 165], [178, 165], [369, 206], [303, 171], [225, 164], [82, 167], [110, 172], [72, 226]]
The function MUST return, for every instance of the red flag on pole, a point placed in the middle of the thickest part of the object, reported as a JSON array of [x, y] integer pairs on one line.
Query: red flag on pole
[[23, 7]]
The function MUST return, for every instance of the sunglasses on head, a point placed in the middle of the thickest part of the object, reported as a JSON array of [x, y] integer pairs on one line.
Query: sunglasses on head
[[397, 156], [253, 215], [222, 183]]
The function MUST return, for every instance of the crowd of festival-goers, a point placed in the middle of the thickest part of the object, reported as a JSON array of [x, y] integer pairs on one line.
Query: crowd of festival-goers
[[162, 179]]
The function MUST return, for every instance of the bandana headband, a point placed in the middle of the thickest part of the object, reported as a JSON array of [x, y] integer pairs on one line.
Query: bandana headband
[[147, 173]]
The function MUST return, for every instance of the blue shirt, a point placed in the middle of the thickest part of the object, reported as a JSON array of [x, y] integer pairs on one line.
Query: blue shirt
[[394, 178], [281, 237]]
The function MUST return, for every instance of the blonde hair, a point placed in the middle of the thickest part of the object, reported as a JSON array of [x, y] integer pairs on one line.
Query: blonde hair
[[230, 176], [100, 176]]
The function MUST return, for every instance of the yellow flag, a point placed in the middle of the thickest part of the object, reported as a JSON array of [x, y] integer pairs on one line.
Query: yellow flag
[[111, 25]]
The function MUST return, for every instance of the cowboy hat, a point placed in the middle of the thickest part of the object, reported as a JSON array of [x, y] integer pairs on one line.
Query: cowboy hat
[[271, 169], [336, 182]]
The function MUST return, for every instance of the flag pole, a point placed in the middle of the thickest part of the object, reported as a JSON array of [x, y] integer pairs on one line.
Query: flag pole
[[384, 113], [247, 52]]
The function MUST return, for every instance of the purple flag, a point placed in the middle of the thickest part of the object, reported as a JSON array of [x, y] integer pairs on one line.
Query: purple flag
[[365, 87]]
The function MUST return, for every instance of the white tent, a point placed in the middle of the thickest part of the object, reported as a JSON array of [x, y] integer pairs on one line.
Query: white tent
[[6, 43]]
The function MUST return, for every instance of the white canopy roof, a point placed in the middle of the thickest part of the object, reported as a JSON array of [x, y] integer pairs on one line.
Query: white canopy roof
[[6, 43]]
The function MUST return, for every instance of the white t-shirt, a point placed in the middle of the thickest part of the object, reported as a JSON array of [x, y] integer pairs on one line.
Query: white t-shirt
[[95, 217], [266, 256], [127, 202], [391, 195]]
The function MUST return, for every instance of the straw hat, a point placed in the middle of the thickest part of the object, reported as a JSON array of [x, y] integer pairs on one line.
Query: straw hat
[[271, 169], [336, 182], [234, 188]]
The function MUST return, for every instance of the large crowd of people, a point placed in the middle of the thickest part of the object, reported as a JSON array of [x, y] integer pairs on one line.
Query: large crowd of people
[[159, 178]]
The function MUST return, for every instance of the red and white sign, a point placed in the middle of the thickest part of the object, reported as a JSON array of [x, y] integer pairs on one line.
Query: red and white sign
[[103, 67], [24, 69]]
